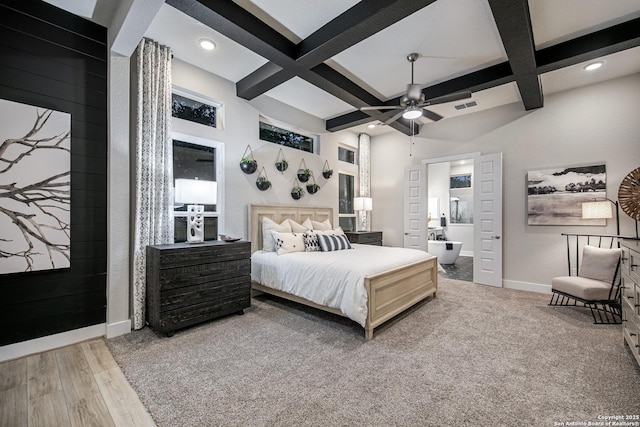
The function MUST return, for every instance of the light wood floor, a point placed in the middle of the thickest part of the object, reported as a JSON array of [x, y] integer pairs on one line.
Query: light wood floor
[[79, 385]]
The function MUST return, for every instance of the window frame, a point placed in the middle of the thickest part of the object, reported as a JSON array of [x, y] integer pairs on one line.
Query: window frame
[[355, 182], [220, 123], [219, 158], [354, 150], [290, 128]]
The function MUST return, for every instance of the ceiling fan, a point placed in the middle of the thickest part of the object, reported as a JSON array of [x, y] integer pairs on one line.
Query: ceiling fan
[[413, 102]]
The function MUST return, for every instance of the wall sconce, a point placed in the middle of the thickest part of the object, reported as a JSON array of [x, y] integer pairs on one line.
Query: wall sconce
[[195, 194], [363, 205], [601, 210]]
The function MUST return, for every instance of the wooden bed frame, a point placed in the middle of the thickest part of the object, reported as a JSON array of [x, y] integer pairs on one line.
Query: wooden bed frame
[[389, 293]]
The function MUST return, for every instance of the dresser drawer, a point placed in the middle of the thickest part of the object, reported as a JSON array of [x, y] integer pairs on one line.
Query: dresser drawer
[[634, 265], [365, 238]]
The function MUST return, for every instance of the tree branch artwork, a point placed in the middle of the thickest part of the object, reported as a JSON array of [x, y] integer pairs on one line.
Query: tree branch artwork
[[35, 188]]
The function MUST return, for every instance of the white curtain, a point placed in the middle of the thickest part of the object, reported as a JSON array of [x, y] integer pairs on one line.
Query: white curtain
[[364, 173], [153, 223]]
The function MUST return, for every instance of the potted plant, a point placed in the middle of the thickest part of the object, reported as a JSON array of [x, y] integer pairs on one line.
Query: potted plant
[[297, 191], [248, 164], [326, 170], [281, 162], [262, 182], [312, 187], [304, 174], [282, 165]]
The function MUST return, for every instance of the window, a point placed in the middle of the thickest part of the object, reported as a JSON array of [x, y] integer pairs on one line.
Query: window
[[198, 159], [346, 155], [189, 106], [346, 214], [278, 135]]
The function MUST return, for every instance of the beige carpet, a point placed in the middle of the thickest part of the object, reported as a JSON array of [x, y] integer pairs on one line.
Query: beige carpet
[[474, 356]]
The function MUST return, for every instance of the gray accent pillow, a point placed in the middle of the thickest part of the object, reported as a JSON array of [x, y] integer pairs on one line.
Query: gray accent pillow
[[599, 263]]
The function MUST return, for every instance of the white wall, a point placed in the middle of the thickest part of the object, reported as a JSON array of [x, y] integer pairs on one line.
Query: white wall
[[598, 123], [460, 232], [240, 128]]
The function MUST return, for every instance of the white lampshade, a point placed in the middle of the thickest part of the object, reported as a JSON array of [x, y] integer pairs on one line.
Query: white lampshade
[[597, 210], [196, 191], [362, 203]]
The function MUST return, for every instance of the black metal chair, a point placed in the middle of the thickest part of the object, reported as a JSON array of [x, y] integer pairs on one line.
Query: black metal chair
[[595, 284]]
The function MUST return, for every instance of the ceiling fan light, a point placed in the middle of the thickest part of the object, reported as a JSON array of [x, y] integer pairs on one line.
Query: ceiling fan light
[[412, 113]]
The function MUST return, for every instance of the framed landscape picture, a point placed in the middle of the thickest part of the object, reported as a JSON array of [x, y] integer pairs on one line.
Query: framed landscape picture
[[555, 196]]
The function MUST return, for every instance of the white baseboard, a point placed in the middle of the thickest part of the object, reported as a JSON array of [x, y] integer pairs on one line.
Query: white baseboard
[[50, 342], [527, 286], [466, 253], [118, 328]]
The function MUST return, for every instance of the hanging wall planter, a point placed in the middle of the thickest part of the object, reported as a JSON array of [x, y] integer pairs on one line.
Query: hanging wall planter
[[303, 172], [297, 191], [262, 182], [281, 163], [248, 164], [327, 172], [312, 187]]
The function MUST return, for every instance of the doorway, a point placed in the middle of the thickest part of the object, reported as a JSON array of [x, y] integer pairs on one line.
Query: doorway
[[487, 211]]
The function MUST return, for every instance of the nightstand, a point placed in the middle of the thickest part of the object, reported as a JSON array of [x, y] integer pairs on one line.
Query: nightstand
[[365, 237], [189, 283]]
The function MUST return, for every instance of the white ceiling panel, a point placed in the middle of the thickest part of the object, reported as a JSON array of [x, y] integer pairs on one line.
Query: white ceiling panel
[[303, 18], [555, 21], [615, 65], [308, 98], [182, 33], [454, 37]]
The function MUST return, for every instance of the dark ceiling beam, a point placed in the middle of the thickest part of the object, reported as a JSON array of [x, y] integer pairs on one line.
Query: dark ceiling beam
[[349, 28], [590, 46], [514, 25]]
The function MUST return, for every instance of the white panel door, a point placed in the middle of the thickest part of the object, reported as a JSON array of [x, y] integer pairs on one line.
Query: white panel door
[[415, 206], [487, 214]]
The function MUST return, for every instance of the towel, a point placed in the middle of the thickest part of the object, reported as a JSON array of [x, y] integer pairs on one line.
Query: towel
[[449, 246]]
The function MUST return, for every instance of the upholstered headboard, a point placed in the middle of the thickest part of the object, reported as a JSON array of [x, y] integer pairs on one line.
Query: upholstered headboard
[[279, 214]]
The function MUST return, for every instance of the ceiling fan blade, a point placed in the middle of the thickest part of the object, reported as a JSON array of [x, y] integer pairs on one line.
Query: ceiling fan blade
[[381, 107], [393, 118], [431, 115], [448, 98], [414, 92]]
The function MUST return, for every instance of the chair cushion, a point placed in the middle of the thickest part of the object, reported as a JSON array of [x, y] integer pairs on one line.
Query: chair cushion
[[582, 287], [599, 263]]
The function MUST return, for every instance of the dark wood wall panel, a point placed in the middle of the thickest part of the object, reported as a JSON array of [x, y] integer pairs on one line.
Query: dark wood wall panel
[[53, 59]]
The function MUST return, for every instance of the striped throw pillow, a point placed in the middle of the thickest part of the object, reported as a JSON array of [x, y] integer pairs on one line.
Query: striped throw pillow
[[333, 243]]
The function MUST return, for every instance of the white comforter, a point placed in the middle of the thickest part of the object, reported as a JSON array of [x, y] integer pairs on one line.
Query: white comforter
[[332, 279]]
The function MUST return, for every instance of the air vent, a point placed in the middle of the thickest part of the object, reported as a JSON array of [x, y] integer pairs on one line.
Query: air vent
[[467, 105]]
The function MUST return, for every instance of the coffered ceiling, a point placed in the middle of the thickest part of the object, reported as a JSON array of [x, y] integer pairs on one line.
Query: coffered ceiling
[[331, 57]]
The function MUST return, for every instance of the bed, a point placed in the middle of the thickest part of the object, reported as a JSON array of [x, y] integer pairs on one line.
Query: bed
[[388, 292]]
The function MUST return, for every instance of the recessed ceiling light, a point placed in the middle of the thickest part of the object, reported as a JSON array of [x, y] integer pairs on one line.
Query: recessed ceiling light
[[593, 66], [207, 44], [371, 125]]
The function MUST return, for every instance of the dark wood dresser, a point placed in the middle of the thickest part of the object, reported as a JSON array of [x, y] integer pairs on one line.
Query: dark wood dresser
[[365, 237], [192, 283]]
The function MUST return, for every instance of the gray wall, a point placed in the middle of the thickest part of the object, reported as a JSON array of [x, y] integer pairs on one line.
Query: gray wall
[[598, 123]]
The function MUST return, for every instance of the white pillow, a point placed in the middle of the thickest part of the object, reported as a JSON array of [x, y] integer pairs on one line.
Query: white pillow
[[307, 223], [298, 228], [288, 242], [599, 263], [333, 243], [324, 225], [269, 225]]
